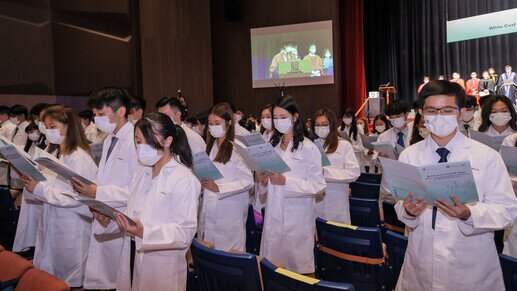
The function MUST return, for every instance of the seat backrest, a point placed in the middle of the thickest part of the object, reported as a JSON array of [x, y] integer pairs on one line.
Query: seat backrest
[[390, 217], [219, 270], [8, 218], [365, 212], [35, 279], [396, 245], [365, 190], [373, 178], [279, 279], [253, 233], [354, 242], [1, 248], [12, 266], [509, 266]]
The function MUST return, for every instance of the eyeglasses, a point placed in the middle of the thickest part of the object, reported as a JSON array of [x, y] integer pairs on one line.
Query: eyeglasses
[[442, 111]]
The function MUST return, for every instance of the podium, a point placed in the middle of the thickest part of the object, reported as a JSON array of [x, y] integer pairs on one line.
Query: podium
[[387, 90]]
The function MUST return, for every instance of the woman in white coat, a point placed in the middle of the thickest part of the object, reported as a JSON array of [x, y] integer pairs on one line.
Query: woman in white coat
[[225, 201], [163, 203], [64, 230], [267, 123], [498, 117], [288, 235], [349, 128], [333, 204]]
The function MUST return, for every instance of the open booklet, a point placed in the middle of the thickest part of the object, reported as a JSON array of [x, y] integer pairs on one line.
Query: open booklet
[[324, 157], [431, 181], [251, 139], [344, 135], [491, 141], [204, 168], [368, 141], [101, 207], [262, 157], [385, 149], [19, 161], [62, 170], [509, 155]]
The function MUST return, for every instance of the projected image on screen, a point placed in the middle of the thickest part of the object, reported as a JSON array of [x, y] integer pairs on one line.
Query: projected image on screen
[[298, 54]]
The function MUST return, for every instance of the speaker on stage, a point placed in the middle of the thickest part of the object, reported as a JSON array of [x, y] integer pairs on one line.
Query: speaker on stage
[[375, 105]]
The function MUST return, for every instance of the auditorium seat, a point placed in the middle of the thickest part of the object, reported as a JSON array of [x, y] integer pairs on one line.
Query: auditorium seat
[[12, 267], [396, 245], [278, 279], [365, 212], [509, 266], [224, 271], [373, 178], [253, 233], [391, 221], [35, 279], [350, 254], [8, 218], [367, 186]]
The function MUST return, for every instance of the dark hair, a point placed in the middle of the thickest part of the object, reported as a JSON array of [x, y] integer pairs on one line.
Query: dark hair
[[138, 103], [397, 107], [32, 126], [75, 137], [366, 128], [86, 114], [174, 102], [470, 101], [17, 110], [37, 109], [161, 124], [288, 103], [507, 66], [384, 119], [112, 97], [4, 110], [442, 87], [416, 105], [487, 110], [353, 127], [268, 107], [192, 120], [224, 111], [332, 140], [415, 133], [483, 100]]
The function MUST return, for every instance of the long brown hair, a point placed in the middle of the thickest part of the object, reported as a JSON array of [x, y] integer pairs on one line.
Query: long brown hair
[[332, 140], [75, 137], [487, 110], [224, 111]]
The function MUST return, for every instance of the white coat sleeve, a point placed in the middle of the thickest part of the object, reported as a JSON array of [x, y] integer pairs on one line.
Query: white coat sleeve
[[499, 206], [242, 182], [310, 183], [109, 192], [112, 227], [178, 234], [347, 172]]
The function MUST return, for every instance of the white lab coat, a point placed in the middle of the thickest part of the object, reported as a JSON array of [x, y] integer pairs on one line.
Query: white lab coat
[[19, 139], [458, 255], [113, 182], [195, 141], [492, 132], [357, 144], [7, 129], [510, 242], [391, 135], [93, 134], [64, 230], [223, 214], [332, 204], [167, 207], [288, 234], [239, 130]]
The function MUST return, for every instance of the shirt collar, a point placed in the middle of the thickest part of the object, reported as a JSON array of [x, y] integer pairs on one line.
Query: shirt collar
[[453, 143], [405, 131], [124, 130]]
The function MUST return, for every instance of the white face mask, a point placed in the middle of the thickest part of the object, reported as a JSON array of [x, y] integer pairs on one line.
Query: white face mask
[[34, 136], [14, 120], [322, 131], [103, 124], [423, 131], [131, 118], [283, 125], [54, 136], [147, 155], [266, 123], [441, 125], [500, 118], [41, 127], [380, 128], [347, 120], [468, 115], [238, 117], [217, 131], [398, 122]]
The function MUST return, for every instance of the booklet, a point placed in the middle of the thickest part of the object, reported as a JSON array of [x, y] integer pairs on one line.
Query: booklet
[[431, 181], [367, 142], [324, 157], [61, 170], [96, 150], [509, 155], [251, 139], [261, 158], [5, 141], [101, 207], [204, 168], [345, 136], [20, 162], [385, 149], [491, 141]]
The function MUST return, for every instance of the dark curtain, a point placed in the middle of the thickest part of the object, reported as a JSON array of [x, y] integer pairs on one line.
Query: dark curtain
[[406, 39], [352, 51]]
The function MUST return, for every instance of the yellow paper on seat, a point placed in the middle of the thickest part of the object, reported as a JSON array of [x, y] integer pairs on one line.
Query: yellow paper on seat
[[297, 276], [342, 225]]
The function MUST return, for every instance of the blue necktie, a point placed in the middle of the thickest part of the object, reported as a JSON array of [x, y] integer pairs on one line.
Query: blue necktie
[[443, 153], [400, 140]]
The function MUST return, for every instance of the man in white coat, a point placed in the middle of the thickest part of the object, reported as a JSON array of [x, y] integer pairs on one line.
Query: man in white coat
[[18, 114], [176, 109], [451, 246], [118, 163], [7, 129]]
